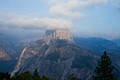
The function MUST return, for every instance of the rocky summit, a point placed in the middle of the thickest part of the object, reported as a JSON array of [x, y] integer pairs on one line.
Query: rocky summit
[[63, 34], [57, 57]]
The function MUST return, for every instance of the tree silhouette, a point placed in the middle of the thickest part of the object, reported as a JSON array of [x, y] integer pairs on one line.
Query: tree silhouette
[[36, 75], [104, 70], [23, 76], [73, 77], [44, 78], [28, 76], [4, 76]]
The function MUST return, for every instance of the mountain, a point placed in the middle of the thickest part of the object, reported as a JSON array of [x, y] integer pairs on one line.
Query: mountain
[[9, 52], [58, 55], [51, 35], [58, 60], [97, 45], [117, 41], [4, 56]]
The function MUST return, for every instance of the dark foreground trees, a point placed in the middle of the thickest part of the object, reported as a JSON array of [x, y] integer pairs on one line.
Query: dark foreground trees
[[4, 76], [23, 76], [28, 76], [73, 77], [104, 70]]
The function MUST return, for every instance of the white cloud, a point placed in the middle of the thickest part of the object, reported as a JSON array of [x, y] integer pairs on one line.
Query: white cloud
[[72, 8], [63, 14], [61, 11], [22, 21]]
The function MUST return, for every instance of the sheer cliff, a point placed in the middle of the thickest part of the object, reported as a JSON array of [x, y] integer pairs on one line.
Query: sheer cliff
[[56, 34], [57, 57]]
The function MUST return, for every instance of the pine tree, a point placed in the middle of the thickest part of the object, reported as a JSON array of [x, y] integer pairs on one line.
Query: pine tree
[[36, 75], [45, 78], [4, 76], [23, 76], [72, 77], [104, 70]]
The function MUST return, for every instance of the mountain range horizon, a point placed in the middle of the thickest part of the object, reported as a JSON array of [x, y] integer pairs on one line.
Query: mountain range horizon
[[19, 53], [55, 46]]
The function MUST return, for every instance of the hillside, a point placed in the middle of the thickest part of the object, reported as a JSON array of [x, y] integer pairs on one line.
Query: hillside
[[97, 45], [61, 58], [10, 50]]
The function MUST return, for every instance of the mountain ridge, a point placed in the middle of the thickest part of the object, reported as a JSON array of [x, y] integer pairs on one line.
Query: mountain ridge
[[61, 58], [64, 54], [57, 59]]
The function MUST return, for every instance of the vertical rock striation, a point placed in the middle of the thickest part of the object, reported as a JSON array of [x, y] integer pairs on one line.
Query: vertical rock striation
[[63, 34], [55, 57]]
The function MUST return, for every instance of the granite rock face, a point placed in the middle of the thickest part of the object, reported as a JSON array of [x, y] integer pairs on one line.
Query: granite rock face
[[58, 60], [63, 34], [4, 56], [57, 57]]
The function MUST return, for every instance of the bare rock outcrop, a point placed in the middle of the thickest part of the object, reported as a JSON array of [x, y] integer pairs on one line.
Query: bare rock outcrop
[[57, 57], [63, 34]]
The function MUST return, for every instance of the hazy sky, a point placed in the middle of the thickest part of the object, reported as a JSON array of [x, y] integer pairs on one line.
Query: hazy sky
[[82, 17]]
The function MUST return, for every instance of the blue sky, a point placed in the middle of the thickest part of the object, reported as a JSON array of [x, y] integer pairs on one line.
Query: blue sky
[[82, 17]]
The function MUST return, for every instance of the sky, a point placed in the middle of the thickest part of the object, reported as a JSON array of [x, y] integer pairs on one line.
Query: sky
[[88, 18]]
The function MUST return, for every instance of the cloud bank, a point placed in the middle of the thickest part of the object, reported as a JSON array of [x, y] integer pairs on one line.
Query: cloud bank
[[22, 21], [72, 8], [62, 14]]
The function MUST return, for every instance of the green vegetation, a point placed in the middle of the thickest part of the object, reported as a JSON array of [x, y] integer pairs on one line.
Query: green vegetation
[[23, 76], [28, 76], [36, 75], [104, 70], [73, 77], [4, 76]]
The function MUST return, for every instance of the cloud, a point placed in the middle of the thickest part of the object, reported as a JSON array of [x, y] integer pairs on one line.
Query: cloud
[[62, 14], [60, 11], [22, 21], [116, 3], [72, 8]]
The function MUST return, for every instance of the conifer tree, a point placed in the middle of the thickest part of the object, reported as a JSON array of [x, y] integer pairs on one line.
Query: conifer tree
[[72, 77], [23, 76], [104, 70], [44, 78], [4, 76], [36, 75]]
